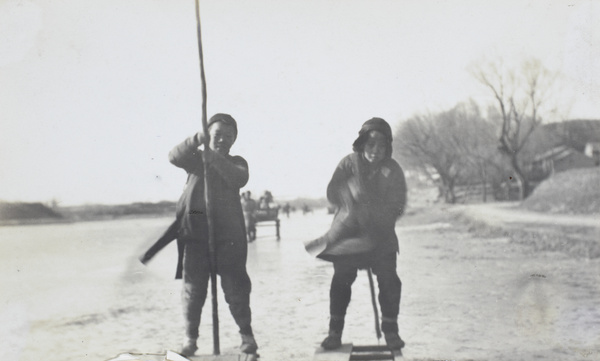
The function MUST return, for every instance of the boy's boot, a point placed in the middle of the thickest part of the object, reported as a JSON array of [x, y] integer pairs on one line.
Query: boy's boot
[[189, 347], [390, 332], [334, 339], [249, 345]]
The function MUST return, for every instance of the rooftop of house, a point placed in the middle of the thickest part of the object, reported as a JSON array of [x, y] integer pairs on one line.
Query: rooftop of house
[[556, 153]]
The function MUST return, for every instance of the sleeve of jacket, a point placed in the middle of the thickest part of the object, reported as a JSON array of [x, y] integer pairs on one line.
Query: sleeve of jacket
[[186, 155], [233, 170], [396, 199], [337, 189]]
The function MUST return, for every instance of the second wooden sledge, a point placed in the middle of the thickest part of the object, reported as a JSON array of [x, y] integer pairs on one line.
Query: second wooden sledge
[[349, 352]]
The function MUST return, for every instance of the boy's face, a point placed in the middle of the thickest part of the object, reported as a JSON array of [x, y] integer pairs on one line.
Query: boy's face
[[222, 137], [375, 147]]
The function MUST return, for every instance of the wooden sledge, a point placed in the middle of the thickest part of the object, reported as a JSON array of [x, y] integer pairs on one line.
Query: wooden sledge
[[174, 356], [349, 352], [227, 357], [263, 216]]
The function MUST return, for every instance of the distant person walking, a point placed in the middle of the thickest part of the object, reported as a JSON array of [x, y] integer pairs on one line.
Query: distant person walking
[[369, 191], [306, 209], [249, 207], [286, 210], [228, 174]]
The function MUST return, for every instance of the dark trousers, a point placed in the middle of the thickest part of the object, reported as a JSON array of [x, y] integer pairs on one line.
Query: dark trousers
[[235, 283], [389, 283]]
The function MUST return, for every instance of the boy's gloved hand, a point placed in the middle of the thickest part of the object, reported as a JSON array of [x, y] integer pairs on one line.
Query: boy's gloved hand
[[200, 139], [209, 155]]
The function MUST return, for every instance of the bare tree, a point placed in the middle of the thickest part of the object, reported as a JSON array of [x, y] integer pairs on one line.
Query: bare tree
[[477, 145], [448, 147], [522, 97], [419, 145]]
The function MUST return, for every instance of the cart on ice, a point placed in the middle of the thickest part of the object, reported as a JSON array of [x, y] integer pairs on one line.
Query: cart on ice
[[266, 217]]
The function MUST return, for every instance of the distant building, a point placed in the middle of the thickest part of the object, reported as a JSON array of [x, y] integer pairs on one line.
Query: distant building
[[557, 147], [559, 159], [592, 150]]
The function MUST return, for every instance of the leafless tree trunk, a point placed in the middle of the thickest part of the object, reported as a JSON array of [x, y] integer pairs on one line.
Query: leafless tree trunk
[[449, 144], [520, 95]]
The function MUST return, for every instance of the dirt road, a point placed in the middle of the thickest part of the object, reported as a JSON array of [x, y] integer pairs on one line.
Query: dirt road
[[492, 298]]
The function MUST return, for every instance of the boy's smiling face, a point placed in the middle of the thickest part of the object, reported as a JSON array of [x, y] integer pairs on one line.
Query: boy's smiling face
[[222, 137], [375, 147]]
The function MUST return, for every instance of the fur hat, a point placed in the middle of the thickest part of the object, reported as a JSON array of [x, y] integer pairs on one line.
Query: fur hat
[[379, 125]]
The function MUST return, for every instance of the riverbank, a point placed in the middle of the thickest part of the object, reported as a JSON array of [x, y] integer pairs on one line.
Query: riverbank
[[19, 213], [575, 234]]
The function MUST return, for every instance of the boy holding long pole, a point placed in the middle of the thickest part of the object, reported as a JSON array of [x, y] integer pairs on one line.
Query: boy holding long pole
[[227, 174]]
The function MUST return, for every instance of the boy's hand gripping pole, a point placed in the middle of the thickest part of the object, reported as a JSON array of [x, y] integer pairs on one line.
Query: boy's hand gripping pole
[[211, 233]]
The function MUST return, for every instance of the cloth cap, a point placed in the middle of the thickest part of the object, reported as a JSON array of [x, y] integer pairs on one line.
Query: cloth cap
[[224, 118], [379, 125]]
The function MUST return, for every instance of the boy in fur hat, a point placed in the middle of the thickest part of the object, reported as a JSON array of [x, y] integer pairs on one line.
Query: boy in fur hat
[[369, 191], [227, 175]]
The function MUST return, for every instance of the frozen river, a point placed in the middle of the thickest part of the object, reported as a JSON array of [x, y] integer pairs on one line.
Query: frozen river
[[77, 292]]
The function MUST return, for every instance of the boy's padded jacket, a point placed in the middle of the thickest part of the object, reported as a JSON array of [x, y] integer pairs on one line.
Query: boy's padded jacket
[[379, 199], [227, 174]]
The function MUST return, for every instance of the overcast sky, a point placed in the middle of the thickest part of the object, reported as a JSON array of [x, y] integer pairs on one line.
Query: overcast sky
[[94, 94]]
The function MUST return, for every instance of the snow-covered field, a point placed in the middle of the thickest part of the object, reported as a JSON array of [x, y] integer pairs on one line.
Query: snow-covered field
[[77, 292]]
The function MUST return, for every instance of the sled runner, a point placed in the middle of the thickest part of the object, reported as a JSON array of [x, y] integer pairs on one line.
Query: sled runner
[[227, 357], [349, 352]]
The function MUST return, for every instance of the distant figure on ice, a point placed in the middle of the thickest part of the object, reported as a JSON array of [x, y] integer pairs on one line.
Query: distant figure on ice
[[369, 191], [228, 174], [286, 210], [264, 202], [306, 209], [249, 207]]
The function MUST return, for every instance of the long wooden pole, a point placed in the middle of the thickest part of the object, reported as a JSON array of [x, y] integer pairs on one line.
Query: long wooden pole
[[211, 233]]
